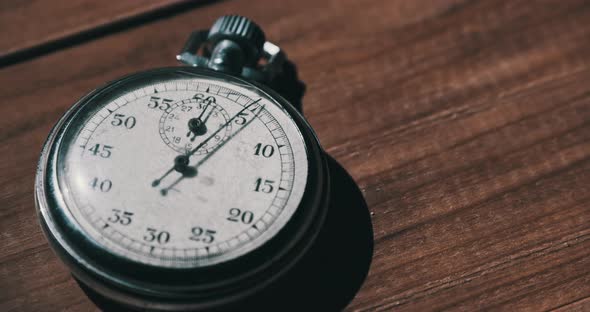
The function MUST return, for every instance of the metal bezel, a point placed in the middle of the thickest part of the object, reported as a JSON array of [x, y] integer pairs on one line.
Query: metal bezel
[[154, 287]]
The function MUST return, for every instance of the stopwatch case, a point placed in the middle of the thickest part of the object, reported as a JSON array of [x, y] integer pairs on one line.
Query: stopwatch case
[[146, 286]]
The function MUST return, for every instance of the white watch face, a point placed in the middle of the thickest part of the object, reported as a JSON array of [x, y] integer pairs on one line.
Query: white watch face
[[184, 173]]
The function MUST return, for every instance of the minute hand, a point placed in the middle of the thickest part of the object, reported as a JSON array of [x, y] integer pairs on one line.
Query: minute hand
[[194, 150]]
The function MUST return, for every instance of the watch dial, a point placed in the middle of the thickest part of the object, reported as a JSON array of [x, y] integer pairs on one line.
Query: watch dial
[[183, 173]]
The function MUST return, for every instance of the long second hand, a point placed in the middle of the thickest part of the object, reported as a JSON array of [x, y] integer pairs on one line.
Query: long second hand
[[194, 150], [165, 190]]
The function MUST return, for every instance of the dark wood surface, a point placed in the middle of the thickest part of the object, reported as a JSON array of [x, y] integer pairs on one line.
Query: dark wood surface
[[29, 25], [465, 123]]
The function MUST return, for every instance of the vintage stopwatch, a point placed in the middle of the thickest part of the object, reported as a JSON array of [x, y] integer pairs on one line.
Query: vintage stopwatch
[[187, 188]]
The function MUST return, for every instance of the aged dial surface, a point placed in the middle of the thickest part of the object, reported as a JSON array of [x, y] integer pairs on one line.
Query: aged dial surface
[[184, 172]]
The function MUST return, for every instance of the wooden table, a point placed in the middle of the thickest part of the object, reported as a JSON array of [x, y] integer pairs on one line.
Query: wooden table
[[465, 123]]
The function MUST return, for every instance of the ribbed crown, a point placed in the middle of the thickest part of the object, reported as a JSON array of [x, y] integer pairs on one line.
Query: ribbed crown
[[240, 30]]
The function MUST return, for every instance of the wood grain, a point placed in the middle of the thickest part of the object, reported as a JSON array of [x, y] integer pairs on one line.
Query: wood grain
[[465, 123], [34, 27]]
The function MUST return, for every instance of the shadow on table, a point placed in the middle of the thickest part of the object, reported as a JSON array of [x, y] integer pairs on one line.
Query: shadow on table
[[332, 272]]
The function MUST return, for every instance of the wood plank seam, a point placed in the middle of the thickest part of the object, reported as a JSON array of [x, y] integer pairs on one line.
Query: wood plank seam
[[580, 300], [55, 45]]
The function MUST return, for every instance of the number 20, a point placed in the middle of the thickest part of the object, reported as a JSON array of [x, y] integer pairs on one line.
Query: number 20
[[237, 215]]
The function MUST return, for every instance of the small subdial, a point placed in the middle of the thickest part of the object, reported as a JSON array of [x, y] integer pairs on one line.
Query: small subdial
[[186, 124]]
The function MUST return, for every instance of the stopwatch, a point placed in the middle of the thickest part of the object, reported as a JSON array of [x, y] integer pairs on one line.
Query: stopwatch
[[191, 187]]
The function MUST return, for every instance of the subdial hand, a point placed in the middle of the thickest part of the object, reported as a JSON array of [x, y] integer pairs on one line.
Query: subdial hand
[[197, 126]]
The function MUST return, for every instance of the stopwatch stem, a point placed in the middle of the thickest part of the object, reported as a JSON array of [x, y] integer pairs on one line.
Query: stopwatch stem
[[227, 57], [238, 46]]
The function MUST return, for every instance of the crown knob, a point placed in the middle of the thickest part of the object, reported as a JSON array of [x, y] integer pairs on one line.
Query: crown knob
[[240, 31]]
